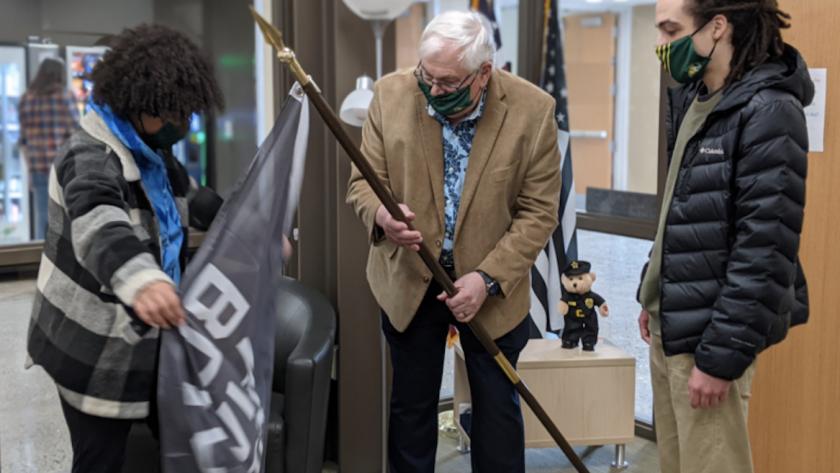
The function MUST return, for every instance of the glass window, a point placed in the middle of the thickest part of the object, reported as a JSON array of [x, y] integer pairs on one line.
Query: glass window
[[617, 262], [613, 93]]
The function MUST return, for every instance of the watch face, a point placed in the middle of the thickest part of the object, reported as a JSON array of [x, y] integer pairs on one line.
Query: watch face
[[490, 284]]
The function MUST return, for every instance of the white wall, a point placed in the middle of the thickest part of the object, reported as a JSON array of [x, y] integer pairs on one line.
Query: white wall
[[643, 143], [94, 16], [70, 22]]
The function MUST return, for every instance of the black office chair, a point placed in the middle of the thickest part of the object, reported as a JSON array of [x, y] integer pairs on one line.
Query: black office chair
[[301, 388], [297, 421]]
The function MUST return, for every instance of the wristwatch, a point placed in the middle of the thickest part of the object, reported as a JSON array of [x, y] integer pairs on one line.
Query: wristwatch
[[492, 286]]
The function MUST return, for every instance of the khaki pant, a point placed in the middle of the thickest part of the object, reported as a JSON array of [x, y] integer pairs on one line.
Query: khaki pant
[[697, 440]]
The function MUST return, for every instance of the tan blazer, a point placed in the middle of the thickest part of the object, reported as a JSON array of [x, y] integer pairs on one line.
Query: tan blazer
[[508, 206]]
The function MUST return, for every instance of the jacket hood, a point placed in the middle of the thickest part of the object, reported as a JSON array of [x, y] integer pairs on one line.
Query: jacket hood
[[788, 73]]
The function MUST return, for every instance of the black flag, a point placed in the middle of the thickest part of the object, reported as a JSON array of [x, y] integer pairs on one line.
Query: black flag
[[215, 372]]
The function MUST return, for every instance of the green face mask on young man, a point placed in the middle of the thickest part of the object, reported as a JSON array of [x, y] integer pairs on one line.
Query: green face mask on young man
[[682, 60]]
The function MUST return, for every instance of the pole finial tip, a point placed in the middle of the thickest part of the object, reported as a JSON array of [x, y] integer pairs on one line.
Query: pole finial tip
[[272, 35]]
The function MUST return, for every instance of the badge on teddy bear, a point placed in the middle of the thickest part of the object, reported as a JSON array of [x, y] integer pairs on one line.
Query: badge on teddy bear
[[580, 306]]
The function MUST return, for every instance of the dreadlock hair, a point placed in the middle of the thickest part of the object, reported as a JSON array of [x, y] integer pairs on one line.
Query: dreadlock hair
[[155, 70], [757, 30]]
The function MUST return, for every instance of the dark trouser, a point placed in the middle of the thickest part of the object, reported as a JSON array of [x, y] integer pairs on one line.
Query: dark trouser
[[99, 443], [497, 436], [580, 329]]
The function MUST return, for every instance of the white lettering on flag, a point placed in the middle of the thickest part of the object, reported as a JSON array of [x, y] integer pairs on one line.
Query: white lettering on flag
[[216, 301]]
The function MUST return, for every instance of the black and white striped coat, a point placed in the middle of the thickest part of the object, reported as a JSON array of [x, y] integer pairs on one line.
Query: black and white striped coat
[[102, 246]]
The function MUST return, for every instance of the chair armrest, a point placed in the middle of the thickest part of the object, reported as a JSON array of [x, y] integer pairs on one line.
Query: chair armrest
[[307, 375]]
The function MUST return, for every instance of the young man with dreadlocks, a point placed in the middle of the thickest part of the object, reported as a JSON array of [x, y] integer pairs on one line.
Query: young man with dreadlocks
[[724, 281], [116, 240]]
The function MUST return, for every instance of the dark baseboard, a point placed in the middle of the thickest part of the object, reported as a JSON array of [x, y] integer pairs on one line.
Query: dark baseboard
[[633, 205]]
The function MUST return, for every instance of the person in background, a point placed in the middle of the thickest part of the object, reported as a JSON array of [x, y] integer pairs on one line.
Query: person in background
[[724, 281], [48, 116], [117, 238]]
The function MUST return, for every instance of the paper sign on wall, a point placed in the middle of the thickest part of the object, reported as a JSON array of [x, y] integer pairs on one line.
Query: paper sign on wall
[[815, 113]]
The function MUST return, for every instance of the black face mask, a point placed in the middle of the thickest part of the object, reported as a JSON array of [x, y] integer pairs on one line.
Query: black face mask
[[168, 135]]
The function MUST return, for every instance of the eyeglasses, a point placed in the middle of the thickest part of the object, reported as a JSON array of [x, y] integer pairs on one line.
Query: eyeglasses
[[447, 86]]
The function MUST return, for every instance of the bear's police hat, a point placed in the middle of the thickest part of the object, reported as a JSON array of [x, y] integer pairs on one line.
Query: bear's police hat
[[577, 267]]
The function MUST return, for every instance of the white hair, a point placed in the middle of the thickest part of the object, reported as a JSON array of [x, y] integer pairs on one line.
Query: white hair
[[469, 32]]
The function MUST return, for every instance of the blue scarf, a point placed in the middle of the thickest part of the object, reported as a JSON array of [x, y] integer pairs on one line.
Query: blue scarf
[[157, 186]]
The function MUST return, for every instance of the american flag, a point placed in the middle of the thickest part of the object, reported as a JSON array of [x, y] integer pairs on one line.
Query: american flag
[[485, 7], [562, 247]]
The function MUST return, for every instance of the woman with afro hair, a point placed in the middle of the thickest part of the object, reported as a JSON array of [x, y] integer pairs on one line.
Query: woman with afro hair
[[116, 240]]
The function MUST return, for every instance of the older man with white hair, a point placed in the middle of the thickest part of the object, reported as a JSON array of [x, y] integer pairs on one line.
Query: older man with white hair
[[471, 152]]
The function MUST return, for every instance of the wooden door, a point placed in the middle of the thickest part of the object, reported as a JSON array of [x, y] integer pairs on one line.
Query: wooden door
[[795, 409], [590, 52]]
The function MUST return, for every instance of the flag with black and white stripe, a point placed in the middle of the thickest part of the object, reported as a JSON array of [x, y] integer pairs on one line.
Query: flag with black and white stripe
[[562, 247]]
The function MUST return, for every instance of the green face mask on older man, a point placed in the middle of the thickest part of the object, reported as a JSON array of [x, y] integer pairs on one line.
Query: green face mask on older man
[[447, 104]]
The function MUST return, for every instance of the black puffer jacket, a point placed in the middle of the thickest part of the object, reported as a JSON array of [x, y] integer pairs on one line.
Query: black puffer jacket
[[732, 284]]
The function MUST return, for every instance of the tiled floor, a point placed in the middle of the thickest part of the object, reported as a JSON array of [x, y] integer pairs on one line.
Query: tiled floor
[[641, 456], [33, 438]]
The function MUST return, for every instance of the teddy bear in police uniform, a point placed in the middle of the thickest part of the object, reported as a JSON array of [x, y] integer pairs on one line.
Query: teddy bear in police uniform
[[578, 306]]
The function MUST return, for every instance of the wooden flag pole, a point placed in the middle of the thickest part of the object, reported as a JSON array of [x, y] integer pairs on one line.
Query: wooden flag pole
[[274, 37]]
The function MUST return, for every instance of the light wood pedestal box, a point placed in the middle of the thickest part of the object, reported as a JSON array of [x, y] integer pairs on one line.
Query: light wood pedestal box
[[589, 395]]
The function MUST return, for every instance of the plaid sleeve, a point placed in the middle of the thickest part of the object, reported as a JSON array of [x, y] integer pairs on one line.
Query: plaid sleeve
[[23, 119], [101, 233]]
